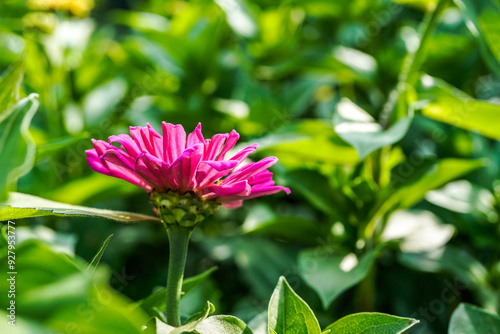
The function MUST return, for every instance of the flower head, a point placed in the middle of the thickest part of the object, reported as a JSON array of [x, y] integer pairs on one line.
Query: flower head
[[180, 164]]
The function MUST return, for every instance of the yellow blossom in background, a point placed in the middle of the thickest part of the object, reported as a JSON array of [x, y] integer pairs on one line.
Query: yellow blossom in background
[[79, 8], [45, 22]]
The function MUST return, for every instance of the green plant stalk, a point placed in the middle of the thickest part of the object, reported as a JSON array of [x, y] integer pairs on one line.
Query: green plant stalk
[[408, 77], [178, 237], [416, 59]]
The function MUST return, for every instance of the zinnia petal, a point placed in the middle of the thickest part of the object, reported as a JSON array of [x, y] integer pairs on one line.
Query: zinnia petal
[[184, 167], [174, 142]]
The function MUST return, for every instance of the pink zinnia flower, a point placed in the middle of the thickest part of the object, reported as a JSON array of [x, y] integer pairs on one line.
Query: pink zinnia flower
[[174, 162]]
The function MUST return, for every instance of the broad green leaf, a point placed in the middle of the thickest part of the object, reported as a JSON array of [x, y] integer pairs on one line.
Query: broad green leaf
[[470, 319], [289, 314], [26, 206], [417, 230], [483, 17], [441, 101], [192, 282], [426, 5], [263, 221], [464, 197], [17, 149], [332, 271], [101, 102], [443, 172], [97, 258], [360, 129], [406, 196], [58, 144], [223, 324], [162, 328], [157, 300], [55, 293], [238, 17], [307, 143], [465, 270], [10, 83], [92, 187], [371, 323], [317, 190]]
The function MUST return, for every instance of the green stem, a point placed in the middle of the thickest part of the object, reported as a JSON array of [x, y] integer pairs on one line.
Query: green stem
[[413, 62], [178, 237], [416, 59]]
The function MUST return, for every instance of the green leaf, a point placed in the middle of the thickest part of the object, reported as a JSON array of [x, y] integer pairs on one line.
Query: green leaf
[[10, 83], [26, 206], [417, 230], [17, 149], [58, 144], [361, 130], [443, 172], [288, 313], [317, 190], [466, 271], [238, 16], [426, 5], [464, 197], [308, 142], [157, 300], [332, 271], [441, 101], [97, 258], [54, 292], [371, 323], [262, 221], [162, 328], [192, 282], [469, 319], [483, 17], [223, 324]]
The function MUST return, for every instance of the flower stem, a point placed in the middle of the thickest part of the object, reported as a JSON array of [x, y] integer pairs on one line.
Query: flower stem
[[178, 237]]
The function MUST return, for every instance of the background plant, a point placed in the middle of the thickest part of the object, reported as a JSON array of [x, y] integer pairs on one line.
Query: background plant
[[384, 115]]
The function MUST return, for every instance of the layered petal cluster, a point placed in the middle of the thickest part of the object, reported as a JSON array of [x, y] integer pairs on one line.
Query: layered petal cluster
[[180, 163]]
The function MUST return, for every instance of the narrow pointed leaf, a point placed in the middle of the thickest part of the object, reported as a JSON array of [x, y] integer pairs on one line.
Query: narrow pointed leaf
[[158, 299], [97, 258]]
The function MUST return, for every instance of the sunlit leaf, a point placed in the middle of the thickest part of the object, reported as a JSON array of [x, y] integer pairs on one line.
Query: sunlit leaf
[[288, 313], [371, 323], [157, 300], [361, 130], [26, 206], [443, 102], [483, 17], [418, 231], [470, 319], [17, 149], [10, 83], [332, 271], [223, 324]]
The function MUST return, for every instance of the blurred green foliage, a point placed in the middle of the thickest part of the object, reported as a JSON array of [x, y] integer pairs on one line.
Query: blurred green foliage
[[384, 114]]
